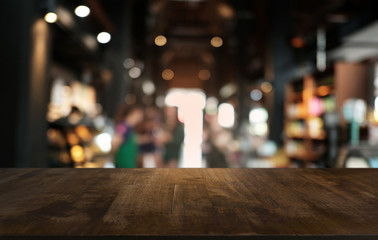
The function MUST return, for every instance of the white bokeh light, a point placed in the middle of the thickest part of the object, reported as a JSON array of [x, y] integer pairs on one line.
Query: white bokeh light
[[211, 105], [82, 11], [51, 17], [135, 72], [104, 142], [226, 115], [103, 37], [256, 95], [190, 104], [148, 87], [128, 63], [258, 115]]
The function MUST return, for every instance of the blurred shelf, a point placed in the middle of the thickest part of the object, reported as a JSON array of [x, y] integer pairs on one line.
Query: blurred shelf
[[306, 156], [296, 136], [302, 135]]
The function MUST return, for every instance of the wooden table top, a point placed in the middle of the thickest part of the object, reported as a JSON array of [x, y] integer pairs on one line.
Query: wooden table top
[[189, 203]]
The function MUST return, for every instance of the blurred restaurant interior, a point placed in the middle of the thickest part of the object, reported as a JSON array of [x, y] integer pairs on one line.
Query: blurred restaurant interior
[[189, 83]]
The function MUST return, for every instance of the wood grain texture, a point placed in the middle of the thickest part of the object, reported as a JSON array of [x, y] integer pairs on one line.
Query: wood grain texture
[[193, 203]]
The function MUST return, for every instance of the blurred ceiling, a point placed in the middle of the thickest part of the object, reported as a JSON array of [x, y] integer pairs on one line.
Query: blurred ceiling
[[245, 27]]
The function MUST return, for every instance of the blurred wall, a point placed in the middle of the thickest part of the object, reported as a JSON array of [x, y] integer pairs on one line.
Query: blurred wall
[[24, 94]]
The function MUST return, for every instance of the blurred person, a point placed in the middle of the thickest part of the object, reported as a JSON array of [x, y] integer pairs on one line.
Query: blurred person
[[170, 138], [221, 141], [214, 157], [124, 142], [146, 138]]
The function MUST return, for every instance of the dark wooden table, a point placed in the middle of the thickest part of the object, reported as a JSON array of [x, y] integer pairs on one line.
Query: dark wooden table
[[188, 204]]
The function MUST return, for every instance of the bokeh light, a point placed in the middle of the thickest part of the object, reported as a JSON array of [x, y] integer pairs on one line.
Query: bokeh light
[[135, 72], [148, 87], [160, 40], [128, 63], [103, 37], [51, 17], [204, 74], [256, 95], [266, 87], [226, 115], [168, 74], [82, 11], [77, 154], [216, 42], [258, 115], [297, 42], [104, 142], [211, 105]]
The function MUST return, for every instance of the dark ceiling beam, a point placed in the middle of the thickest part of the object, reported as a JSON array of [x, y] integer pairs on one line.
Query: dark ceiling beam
[[100, 15], [308, 20]]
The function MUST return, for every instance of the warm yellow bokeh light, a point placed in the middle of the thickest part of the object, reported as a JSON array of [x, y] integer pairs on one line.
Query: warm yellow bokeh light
[[204, 75], [83, 133], [216, 42], [160, 40], [266, 87], [168, 74], [72, 139], [225, 11], [77, 154], [323, 91], [297, 42], [51, 17], [375, 116]]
